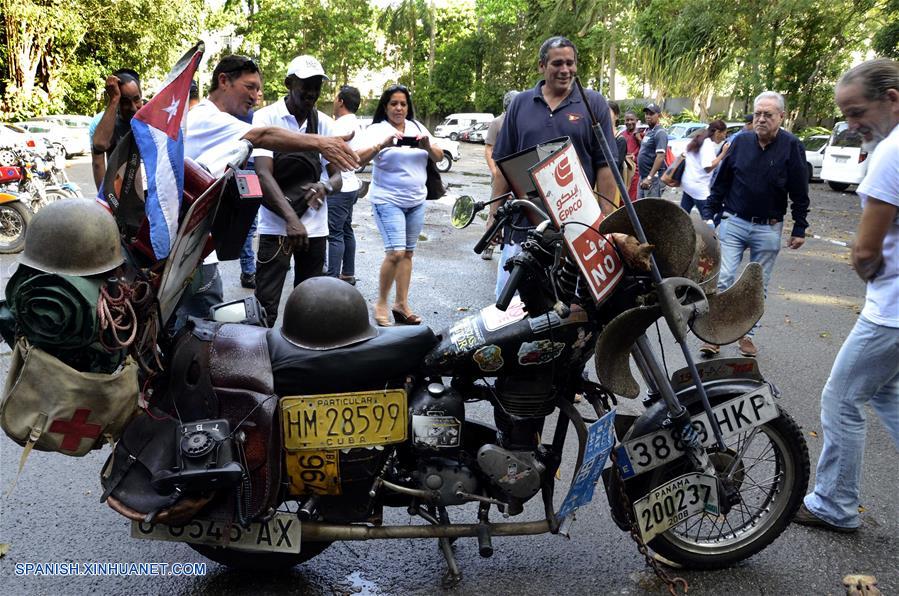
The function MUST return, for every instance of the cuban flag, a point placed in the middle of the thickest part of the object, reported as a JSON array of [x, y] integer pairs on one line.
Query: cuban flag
[[158, 129]]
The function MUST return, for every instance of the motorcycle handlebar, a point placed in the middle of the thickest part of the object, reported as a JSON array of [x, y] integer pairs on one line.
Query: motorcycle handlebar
[[488, 235], [505, 297]]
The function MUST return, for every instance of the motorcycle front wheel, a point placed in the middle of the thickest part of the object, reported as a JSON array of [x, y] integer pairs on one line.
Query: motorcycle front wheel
[[770, 472], [14, 220]]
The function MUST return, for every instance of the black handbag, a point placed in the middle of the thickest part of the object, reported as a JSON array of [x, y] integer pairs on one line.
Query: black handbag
[[296, 172], [673, 175], [434, 184]]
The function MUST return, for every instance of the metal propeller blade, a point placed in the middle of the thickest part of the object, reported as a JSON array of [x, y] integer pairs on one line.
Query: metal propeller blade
[[733, 312], [667, 227], [612, 355]]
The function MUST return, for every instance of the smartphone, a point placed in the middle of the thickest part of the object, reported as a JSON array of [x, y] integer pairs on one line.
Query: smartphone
[[407, 142]]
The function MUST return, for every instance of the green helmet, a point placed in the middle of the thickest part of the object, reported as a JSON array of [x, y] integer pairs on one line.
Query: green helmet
[[72, 237], [323, 313]]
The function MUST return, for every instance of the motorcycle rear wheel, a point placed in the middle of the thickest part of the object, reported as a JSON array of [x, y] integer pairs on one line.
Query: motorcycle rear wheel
[[14, 220], [234, 558], [772, 478]]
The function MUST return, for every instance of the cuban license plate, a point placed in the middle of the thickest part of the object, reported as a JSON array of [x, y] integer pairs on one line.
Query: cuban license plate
[[670, 504], [313, 472], [281, 534], [344, 420], [662, 446]]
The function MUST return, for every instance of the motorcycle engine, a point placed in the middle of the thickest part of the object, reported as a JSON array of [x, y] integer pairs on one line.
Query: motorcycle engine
[[518, 474], [447, 477]]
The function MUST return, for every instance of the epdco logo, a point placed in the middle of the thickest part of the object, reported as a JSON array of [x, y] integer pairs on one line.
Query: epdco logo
[[563, 174]]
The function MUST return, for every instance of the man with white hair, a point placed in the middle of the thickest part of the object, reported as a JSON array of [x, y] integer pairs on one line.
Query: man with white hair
[[762, 169], [866, 371]]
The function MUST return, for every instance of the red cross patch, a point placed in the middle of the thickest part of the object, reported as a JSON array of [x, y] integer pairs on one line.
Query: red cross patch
[[75, 429]]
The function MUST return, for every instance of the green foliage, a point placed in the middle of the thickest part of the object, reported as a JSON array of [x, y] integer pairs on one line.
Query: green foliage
[[886, 39]]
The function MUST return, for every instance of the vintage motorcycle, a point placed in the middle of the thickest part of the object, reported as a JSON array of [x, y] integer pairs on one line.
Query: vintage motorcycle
[[261, 447], [14, 217]]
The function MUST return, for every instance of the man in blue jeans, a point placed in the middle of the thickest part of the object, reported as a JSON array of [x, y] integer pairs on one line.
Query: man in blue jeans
[[866, 370], [762, 168], [341, 239]]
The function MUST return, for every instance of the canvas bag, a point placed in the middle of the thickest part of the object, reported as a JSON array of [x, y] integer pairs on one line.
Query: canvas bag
[[49, 406]]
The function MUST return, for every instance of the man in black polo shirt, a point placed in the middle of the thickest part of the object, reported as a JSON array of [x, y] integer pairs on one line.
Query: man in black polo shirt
[[553, 109], [762, 168], [651, 158]]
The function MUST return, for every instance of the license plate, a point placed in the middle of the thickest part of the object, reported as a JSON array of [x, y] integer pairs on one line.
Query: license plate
[[344, 420], [313, 472], [281, 534], [734, 417], [670, 504]]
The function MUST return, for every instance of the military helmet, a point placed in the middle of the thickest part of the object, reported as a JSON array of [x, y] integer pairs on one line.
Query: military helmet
[[707, 258], [72, 237], [323, 313]]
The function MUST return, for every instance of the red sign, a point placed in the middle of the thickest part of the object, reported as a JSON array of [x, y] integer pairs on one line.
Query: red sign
[[566, 191]]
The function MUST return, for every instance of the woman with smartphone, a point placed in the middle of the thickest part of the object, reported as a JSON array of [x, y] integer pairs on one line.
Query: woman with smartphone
[[399, 148]]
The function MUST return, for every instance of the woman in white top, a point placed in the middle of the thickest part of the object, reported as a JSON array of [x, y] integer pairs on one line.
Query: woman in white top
[[701, 160], [400, 150]]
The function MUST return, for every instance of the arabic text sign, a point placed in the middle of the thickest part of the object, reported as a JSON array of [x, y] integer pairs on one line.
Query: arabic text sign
[[567, 193]]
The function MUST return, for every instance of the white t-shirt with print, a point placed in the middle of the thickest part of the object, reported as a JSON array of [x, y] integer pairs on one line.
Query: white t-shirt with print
[[343, 126], [398, 174], [695, 181], [315, 220], [882, 183]]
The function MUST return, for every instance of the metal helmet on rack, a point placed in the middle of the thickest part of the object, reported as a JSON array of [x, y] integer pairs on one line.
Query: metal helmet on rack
[[323, 313], [72, 237]]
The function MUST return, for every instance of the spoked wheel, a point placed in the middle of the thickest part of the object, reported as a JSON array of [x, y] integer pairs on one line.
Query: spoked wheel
[[236, 558], [14, 220], [770, 469]]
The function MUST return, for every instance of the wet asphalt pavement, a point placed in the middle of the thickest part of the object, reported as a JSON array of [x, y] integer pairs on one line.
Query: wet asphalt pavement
[[54, 514]]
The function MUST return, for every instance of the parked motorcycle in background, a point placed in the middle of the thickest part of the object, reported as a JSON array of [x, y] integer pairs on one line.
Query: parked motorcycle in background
[[40, 178], [14, 219]]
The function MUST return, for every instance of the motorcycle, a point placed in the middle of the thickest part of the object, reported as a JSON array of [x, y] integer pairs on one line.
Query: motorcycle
[[262, 447], [14, 219], [39, 181]]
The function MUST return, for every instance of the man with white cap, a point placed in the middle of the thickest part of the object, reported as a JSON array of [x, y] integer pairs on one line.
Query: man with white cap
[[293, 222]]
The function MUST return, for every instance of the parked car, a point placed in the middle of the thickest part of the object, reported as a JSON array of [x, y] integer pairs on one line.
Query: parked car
[[814, 154], [678, 145], [71, 140], [475, 134], [12, 136], [456, 123], [641, 127], [683, 130], [845, 160], [450, 154]]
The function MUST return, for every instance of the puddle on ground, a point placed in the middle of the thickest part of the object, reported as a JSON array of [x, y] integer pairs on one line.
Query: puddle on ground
[[356, 584]]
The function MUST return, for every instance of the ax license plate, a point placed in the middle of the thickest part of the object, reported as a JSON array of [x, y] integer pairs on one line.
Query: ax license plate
[[670, 504], [281, 534], [344, 420], [736, 416]]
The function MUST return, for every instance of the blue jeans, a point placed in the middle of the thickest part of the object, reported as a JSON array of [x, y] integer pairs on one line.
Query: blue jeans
[[502, 276], [399, 226], [247, 258], [736, 235], [687, 203], [866, 371], [341, 240]]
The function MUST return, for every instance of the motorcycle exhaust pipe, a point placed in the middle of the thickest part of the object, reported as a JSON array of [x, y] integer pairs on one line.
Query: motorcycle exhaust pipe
[[317, 532]]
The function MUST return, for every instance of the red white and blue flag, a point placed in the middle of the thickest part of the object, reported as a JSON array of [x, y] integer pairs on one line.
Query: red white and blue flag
[[158, 129]]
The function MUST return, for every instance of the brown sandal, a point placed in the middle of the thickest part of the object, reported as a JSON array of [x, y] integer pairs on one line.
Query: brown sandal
[[404, 319]]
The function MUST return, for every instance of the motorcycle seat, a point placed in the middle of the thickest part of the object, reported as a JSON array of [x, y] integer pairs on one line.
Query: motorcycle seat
[[370, 364]]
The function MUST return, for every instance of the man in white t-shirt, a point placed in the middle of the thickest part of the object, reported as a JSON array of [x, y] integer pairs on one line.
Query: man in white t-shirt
[[341, 239], [213, 124], [303, 179], [866, 371]]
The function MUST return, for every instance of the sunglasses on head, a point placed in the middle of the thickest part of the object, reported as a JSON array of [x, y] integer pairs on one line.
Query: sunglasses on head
[[245, 64], [397, 87]]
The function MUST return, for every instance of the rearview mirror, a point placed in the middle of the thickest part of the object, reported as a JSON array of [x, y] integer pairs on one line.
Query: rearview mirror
[[463, 212]]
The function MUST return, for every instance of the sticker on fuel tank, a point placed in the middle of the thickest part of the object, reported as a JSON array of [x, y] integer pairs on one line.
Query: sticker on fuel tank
[[495, 319], [465, 335], [489, 358], [539, 352]]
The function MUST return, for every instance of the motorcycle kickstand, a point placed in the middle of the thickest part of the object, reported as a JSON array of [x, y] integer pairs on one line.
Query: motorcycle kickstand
[[453, 574]]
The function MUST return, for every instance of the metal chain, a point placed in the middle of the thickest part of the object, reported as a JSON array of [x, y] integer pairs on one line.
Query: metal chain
[[674, 582]]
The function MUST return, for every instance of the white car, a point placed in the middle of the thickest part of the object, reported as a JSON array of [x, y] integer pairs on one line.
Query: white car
[[13, 137], [72, 140], [845, 161], [450, 154], [678, 145], [814, 155]]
